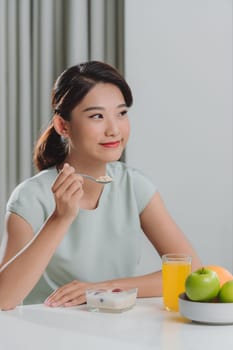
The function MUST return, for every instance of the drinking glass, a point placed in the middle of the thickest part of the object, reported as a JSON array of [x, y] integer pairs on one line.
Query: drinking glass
[[175, 269]]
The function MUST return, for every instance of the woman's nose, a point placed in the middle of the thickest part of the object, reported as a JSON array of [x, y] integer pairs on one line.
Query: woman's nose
[[112, 127]]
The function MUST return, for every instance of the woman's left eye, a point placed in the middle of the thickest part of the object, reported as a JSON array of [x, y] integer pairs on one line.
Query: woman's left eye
[[123, 113]]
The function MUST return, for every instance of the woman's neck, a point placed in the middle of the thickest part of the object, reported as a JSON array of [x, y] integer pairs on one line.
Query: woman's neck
[[95, 169]]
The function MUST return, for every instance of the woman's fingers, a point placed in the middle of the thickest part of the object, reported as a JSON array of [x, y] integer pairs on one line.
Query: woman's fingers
[[65, 178], [66, 171], [70, 294], [76, 301], [71, 185], [68, 190], [74, 293]]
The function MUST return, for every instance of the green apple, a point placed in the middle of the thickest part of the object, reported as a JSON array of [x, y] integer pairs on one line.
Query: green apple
[[226, 292], [202, 285]]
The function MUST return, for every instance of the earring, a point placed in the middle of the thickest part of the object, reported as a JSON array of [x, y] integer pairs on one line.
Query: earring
[[63, 139]]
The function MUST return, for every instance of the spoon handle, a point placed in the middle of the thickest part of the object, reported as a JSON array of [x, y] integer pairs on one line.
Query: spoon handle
[[88, 177], [100, 180]]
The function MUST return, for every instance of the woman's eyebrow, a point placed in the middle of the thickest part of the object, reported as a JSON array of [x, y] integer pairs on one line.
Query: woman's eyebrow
[[92, 108], [122, 105], [101, 108]]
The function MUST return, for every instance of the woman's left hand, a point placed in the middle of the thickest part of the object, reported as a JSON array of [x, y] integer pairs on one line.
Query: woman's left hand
[[71, 294]]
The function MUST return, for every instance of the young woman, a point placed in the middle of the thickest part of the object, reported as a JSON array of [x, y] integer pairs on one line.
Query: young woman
[[67, 233]]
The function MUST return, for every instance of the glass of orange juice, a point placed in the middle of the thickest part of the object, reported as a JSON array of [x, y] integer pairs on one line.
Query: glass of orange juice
[[175, 269]]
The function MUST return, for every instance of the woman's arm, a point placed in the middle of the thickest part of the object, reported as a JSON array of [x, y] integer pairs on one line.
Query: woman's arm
[[166, 237], [24, 265], [73, 293], [164, 233]]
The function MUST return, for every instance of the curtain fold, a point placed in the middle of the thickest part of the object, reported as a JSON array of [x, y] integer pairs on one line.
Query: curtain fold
[[38, 40]]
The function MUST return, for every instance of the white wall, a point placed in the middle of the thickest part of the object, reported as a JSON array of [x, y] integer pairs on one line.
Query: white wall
[[179, 65]]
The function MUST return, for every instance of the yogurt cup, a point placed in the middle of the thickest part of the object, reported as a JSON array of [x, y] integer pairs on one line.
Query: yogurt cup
[[111, 300]]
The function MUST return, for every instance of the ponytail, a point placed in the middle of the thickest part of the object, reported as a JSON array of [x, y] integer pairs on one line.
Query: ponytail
[[50, 149]]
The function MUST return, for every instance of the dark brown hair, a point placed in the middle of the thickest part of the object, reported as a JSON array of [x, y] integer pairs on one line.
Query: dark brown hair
[[68, 91]]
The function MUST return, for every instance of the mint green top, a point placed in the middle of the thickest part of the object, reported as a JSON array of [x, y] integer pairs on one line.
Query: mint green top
[[101, 244]]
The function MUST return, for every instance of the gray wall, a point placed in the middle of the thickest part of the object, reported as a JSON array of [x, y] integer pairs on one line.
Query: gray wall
[[179, 65]]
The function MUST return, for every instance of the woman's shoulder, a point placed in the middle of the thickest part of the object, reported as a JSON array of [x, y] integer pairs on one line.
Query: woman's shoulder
[[133, 182], [37, 183], [45, 176]]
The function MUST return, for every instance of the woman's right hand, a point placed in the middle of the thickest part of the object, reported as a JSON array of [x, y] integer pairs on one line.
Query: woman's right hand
[[68, 191]]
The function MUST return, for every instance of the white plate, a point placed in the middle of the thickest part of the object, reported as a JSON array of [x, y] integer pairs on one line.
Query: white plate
[[203, 312]]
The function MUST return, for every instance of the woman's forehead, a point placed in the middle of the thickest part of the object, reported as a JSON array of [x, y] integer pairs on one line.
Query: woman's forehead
[[102, 95]]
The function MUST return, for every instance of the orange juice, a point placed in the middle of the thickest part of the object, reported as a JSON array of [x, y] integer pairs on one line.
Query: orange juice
[[175, 269]]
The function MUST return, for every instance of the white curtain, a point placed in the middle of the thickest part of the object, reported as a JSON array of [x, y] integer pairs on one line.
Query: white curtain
[[38, 40]]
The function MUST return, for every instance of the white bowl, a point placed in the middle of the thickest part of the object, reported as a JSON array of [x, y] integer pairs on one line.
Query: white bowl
[[206, 312], [115, 300]]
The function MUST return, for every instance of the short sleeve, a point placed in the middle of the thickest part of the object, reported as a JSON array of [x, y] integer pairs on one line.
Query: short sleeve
[[28, 200], [144, 189]]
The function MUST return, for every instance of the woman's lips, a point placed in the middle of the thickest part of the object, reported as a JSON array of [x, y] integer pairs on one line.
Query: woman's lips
[[114, 144]]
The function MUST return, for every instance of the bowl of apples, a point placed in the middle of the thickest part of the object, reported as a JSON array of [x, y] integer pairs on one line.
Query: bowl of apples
[[208, 296]]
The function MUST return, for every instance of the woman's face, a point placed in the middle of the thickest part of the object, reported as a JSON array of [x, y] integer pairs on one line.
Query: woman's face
[[99, 126]]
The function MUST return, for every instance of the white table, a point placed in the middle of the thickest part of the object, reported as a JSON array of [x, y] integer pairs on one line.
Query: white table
[[146, 326]]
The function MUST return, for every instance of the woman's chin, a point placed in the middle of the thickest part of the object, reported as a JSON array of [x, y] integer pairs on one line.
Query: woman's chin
[[113, 157]]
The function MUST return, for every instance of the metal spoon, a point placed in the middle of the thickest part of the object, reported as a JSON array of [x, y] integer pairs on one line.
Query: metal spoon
[[105, 179]]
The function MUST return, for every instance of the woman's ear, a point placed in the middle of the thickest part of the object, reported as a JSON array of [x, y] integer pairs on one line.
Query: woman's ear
[[61, 126]]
